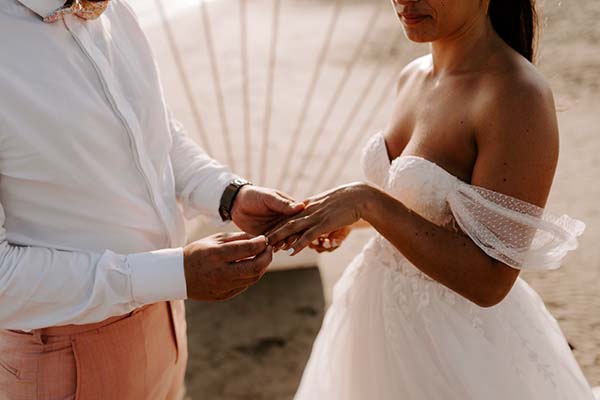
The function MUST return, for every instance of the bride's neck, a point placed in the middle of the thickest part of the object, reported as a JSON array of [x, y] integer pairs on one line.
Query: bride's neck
[[465, 50]]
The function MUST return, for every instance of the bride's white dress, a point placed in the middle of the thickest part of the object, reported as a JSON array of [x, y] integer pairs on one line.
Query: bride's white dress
[[393, 333]]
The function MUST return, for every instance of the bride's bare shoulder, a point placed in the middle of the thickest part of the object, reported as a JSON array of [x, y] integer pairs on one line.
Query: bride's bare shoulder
[[414, 70], [526, 76], [516, 133], [519, 97], [515, 80]]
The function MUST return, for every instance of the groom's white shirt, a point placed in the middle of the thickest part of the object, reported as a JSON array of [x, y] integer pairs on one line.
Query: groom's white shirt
[[91, 168]]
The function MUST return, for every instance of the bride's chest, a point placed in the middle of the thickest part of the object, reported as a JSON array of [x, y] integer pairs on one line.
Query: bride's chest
[[419, 184], [438, 125]]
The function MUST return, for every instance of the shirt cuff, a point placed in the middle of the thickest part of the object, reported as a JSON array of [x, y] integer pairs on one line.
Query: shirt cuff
[[157, 276]]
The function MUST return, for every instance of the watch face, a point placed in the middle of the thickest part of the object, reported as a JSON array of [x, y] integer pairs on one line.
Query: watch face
[[239, 182]]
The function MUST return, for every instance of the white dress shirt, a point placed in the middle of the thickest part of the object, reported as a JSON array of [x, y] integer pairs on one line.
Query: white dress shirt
[[93, 170]]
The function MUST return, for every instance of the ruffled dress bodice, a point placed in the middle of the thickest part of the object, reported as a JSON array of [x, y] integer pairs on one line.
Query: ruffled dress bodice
[[418, 183]]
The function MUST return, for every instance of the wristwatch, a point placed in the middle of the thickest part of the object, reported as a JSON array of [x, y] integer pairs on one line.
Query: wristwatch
[[228, 197]]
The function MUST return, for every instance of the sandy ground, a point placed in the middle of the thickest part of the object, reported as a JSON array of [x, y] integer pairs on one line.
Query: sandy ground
[[255, 346]]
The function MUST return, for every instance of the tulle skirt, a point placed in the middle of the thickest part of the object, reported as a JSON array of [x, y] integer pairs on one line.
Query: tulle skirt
[[392, 333]]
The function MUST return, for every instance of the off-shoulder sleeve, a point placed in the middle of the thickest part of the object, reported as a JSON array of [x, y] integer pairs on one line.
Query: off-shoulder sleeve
[[510, 230]]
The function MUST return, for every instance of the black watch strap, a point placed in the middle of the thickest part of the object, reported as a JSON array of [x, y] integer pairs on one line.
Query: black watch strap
[[228, 197]]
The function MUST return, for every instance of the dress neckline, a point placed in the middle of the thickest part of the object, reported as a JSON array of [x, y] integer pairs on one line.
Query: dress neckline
[[400, 157]]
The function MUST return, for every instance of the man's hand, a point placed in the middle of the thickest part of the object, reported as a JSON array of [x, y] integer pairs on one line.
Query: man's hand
[[222, 266], [324, 214], [257, 209]]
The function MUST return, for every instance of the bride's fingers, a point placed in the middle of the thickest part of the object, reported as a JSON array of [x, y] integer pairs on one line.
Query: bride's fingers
[[330, 245], [316, 197], [284, 222], [292, 227], [306, 239], [287, 242], [326, 243], [317, 248]]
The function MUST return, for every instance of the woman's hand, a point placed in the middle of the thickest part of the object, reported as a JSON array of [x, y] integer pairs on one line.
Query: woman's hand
[[331, 241], [331, 212], [327, 242]]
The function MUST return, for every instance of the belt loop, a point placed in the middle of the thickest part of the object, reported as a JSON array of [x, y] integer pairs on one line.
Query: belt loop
[[39, 336]]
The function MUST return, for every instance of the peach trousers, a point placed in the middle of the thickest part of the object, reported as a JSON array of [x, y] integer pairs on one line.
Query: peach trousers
[[138, 356]]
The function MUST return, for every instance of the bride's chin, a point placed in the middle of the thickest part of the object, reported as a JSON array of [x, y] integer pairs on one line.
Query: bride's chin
[[417, 35], [416, 38]]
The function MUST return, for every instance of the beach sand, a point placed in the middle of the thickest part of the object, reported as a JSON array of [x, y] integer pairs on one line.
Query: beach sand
[[255, 346]]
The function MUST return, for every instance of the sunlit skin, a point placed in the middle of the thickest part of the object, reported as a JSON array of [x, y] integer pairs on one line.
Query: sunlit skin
[[475, 107]]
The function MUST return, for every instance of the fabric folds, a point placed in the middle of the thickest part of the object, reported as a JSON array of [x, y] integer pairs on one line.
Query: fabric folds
[[513, 231]]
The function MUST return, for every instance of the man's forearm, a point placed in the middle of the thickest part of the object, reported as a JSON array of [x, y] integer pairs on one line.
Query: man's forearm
[[42, 287]]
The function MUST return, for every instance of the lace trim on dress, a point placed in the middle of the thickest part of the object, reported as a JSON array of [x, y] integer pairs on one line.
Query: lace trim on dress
[[513, 231], [374, 160]]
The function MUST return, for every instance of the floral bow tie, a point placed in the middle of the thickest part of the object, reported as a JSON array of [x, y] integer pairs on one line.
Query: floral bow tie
[[86, 9]]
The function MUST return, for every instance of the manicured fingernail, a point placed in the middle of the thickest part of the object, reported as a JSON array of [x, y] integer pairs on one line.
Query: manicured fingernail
[[327, 244], [315, 242], [290, 252]]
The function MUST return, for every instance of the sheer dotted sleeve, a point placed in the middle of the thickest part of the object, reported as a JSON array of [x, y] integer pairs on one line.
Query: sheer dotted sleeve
[[515, 232]]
